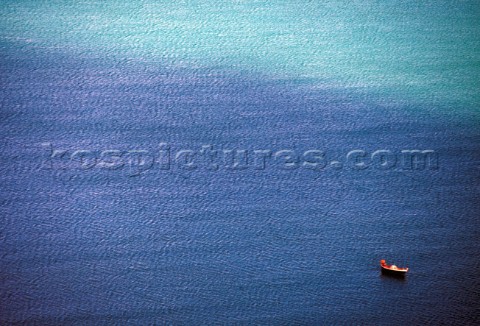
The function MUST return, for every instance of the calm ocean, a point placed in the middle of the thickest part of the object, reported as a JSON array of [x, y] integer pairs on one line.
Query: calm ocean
[[239, 246]]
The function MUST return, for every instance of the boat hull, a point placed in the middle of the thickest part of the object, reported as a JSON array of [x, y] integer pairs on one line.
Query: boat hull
[[392, 269], [396, 273]]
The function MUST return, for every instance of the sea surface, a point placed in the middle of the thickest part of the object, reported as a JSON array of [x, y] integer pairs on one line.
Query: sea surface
[[142, 244]]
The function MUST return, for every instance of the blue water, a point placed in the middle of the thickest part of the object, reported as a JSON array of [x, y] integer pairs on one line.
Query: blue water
[[246, 246], [196, 247]]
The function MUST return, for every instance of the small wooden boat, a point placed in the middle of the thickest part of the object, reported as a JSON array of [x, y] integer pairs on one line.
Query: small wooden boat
[[392, 269]]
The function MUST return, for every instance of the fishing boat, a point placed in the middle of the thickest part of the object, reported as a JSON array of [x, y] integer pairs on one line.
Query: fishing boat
[[392, 269]]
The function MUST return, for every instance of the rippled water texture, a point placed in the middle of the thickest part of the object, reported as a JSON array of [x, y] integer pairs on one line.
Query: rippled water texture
[[272, 246]]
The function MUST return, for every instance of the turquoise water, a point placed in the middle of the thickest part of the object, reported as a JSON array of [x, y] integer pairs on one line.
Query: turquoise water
[[247, 246], [403, 51]]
